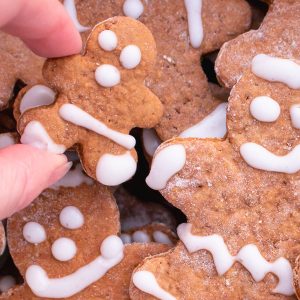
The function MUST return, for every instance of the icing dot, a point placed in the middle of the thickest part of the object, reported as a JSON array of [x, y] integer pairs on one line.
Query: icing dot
[[34, 233], [133, 8], [141, 237], [107, 40], [71, 217], [64, 249], [265, 109], [6, 283], [295, 115], [111, 247], [126, 238], [107, 75], [160, 237], [130, 56]]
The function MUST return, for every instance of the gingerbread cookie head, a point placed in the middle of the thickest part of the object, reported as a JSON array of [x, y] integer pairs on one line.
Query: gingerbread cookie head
[[240, 196], [277, 36], [100, 97]]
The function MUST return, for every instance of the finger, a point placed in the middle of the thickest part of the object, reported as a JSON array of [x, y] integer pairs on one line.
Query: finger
[[24, 173], [43, 25]]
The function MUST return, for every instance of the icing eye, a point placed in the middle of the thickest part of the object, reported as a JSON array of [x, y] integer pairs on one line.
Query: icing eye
[[107, 75], [34, 233], [295, 115], [71, 217], [130, 57], [141, 237], [64, 249], [133, 8], [108, 40], [265, 109]]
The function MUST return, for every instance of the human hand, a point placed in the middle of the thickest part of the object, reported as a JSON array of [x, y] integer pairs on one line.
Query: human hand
[[46, 29]]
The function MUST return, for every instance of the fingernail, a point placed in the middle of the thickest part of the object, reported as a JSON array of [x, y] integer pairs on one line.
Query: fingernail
[[60, 172]]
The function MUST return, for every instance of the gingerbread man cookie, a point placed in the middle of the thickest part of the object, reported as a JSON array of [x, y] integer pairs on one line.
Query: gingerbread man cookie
[[17, 63], [277, 36], [65, 244], [183, 30], [240, 195], [100, 97]]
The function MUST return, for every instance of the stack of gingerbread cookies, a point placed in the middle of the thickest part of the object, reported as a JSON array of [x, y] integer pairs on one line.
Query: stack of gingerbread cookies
[[182, 119]]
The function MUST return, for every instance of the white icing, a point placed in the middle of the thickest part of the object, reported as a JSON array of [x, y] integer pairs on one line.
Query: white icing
[[259, 157], [77, 116], [36, 135], [113, 170], [212, 126], [71, 10], [73, 178], [63, 287], [64, 249], [160, 237], [194, 11], [249, 256], [71, 217], [34, 233], [107, 75], [126, 238], [295, 115], [6, 283], [265, 109], [141, 237], [146, 282], [133, 8], [277, 69], [166, 163], [6, 139], [36, 96], [130, 57], [107, 40], [151, 141]]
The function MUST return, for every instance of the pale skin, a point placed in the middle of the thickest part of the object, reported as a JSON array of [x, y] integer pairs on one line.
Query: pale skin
[[47, 30]]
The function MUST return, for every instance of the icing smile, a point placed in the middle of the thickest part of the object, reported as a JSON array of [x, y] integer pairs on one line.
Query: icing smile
[[43, 286], [260, 158]]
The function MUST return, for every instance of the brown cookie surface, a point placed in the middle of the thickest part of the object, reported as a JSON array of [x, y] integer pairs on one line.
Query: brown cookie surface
[[2, 239], [17, 63]]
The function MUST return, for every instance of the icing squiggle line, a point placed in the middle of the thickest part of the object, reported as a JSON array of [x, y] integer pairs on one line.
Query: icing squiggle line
[[42, 286], [249, 256], [277, 69], [194, 11], [77, 116], [146, 282], [260, 158], [71, 10]]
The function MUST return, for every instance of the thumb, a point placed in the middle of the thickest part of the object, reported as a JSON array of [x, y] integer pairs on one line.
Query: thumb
[[24, 173]]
